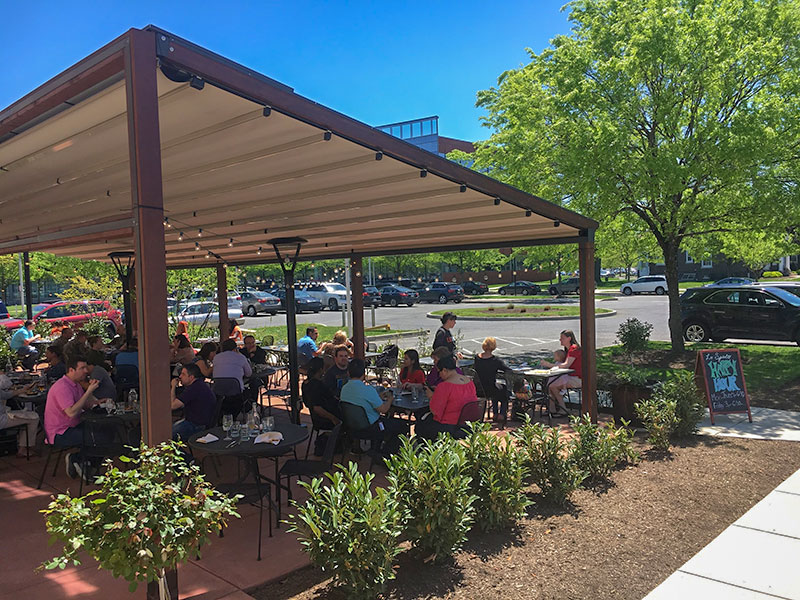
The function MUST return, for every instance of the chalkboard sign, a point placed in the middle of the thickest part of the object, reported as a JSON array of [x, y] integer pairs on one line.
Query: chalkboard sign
[[723, 379]]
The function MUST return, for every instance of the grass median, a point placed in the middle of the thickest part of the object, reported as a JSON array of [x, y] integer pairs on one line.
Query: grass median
[[519, 312], [325, 332]]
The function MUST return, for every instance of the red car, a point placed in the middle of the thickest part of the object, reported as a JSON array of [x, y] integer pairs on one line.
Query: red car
[[74, 314]]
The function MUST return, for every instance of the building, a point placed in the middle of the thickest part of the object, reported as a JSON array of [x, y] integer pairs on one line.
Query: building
[[424, 133]]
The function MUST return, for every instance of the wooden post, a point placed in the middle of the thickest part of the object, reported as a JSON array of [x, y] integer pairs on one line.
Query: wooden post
[[357, 305], [588, 332], [222, 301], [26, 270]]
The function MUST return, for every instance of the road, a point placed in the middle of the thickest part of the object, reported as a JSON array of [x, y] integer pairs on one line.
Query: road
[[514, 337]]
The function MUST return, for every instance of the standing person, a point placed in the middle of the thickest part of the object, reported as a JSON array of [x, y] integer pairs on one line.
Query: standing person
[[307, 346], [251, 351], [487, 365], [337, 375], [11, 418], [357, 392], [66, 402], [444, 335], [22, 343], [447, 400], [197, 400], [573, 380], [411, 373]]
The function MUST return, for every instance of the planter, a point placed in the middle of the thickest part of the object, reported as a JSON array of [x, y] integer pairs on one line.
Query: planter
[[624, 397]]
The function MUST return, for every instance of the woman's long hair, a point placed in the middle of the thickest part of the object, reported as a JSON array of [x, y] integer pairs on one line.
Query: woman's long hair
[[415, 366], [572, 339]]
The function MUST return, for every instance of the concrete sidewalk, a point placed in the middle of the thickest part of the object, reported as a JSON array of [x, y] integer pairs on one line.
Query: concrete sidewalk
[[768, 424], [754, 558]]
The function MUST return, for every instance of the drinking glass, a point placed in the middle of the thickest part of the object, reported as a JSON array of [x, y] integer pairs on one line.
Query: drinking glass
[[236, 429], [269, 423], [227, 422]]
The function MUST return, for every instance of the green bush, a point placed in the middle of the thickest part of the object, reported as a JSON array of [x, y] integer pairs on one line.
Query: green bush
[[498, 473], [350, 531], [597, 449], [659, 419], [433, 488], [771, 274], [690, 404], [633, 335], [548, 459], [7, 355]]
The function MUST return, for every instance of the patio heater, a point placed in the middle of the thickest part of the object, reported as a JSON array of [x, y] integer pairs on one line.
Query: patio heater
[[123, 263], [287, 250]]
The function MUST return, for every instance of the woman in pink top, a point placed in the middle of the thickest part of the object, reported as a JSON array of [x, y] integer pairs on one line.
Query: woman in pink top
[[451, 395]]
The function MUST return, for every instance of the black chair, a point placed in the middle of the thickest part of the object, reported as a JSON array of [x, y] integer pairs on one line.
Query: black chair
[[17, 428], [230, 390], [50, 449], [317, 427], [254, 494], [103, 437], [126, 378], [311, 468], [359, 428]]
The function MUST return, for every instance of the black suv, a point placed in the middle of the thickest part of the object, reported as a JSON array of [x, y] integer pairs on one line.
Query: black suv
[[748, 312], [475, 287], [442, 292], [568, 286]]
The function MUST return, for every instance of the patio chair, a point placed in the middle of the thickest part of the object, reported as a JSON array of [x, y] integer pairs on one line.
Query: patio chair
[[471, 412], [50, 449], [126, 378], [12, 430], [311, 468], [230, 391], [356, 426], [104, 437], [316, 428]]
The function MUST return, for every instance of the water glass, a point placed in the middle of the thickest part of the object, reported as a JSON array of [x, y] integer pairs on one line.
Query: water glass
[[236, 429], [269, 423], [227, 422]]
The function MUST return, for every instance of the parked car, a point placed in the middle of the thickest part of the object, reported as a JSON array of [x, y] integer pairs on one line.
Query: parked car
[[259, 302], [648, 284], [749, 312], [520, 288], [567, 286], [417, 286], [475, 287], [393, 295], [205, 313], [789, 286], [75, 314], [302, 301], [331, 295], [441, 292], [4, 314], [372, 297], [732, 281]]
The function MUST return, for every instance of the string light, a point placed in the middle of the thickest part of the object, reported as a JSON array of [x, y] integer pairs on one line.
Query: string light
[[230, 243], [199, 233], [259, 250], [180, 236]]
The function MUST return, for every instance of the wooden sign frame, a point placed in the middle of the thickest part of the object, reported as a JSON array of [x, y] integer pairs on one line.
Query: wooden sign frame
[[700, 372]]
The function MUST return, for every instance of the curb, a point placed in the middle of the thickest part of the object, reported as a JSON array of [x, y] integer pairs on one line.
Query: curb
[[576, 317], [390, 336]]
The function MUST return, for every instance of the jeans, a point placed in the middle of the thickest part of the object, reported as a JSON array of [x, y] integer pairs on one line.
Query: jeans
[[183, 430], [429, 429], [28, 355]]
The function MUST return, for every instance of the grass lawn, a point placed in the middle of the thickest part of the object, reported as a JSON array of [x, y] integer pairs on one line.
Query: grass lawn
[[325, 332], [525, 312], [502, 297], [767, 369]]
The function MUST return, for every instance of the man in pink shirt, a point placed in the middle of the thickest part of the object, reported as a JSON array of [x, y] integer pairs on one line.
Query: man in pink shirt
[[66, 401]]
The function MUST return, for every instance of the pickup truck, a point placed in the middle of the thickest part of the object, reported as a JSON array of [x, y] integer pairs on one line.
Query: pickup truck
[[568, 286]]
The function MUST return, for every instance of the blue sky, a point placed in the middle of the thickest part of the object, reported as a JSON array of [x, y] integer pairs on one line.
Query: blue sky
[[376, 61]]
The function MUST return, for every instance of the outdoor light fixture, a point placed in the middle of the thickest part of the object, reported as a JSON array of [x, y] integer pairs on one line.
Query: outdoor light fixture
[[497, 201], [379, 155], [166, 222], [267, 111], [423, 173], [199, 233], [124, 262], [180, 236], [463, 188], [556, 223], [327, 136], [196, 83], [259, 250], [230, 243], [528, 213], [196, 246]]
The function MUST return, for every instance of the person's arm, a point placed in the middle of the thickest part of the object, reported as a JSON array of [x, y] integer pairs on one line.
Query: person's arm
[[175, 402], [438, 400], [381, 404], [248, 370], [321, 412], [84, 402]]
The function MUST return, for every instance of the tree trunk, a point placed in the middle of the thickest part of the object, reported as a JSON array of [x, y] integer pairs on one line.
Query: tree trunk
[[670, 249]]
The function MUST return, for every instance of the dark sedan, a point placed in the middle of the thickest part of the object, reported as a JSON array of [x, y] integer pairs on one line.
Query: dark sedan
[[475, 287], [372, 297], [520, 288], [302, 301], [394, 295], [441, 292]]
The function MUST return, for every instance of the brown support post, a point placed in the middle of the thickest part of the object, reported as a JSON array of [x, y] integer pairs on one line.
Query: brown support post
[[588, 337], [134, 307], [357, 305], [148, 232], [222, 301]]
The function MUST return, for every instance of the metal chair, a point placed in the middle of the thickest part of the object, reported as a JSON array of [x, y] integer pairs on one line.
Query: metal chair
[[316, 428], [126, 378], [230, 390], [356, 425], [50, 450], [24, 426], [470, 412], [103, 437], [311, 468]]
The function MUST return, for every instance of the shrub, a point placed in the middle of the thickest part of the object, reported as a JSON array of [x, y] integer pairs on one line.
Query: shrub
[[523, 309], [633, 335], [659, 419], [7, 355], [498, 472], [597, 449], [771, 274], [549, 462], [349, 531], [690, 404], [510, 306], [433, 488], [490, 309]]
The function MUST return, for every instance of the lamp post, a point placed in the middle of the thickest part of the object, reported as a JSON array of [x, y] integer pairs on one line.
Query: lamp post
[[514, 282], [124, 263], [287, 250]]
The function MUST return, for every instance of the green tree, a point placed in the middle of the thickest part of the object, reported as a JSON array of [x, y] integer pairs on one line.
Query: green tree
[[684, 113], [9, 272], [554, 259], [623, 241]]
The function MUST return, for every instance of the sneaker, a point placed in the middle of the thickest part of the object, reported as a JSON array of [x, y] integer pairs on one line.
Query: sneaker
[[78, 468], [72, 471]]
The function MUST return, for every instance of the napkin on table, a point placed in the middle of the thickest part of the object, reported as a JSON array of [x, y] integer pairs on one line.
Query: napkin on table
[[269, 437], [208, 438]]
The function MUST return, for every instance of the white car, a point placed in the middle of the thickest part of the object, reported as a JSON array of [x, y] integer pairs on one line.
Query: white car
[[651, 284], [206, 313], [333, 296]]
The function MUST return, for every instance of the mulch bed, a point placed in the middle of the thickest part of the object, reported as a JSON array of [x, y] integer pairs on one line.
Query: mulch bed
[[619, 541]]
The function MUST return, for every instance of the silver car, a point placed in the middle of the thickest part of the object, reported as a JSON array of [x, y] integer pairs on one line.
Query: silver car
[[256, 302], [206, 313]]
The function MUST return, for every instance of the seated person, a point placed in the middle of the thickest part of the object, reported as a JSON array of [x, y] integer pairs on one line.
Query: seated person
[[522, 397], [447, 400], [433, 378], [182, 352], [319, 399], [204, 358], [411, 374], [251, 351], [78, 345], [339, 339], [236, 333], [22, 343], [357, 392], [55, 328], [307, 346], [63, 338], [230, 363], [55, 359], [128, 354], [182, 329], [66, 402], [12, 418], [557, 385], [106, 390], [97, 351], [487, 365], [197, 400], [337, 375]]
